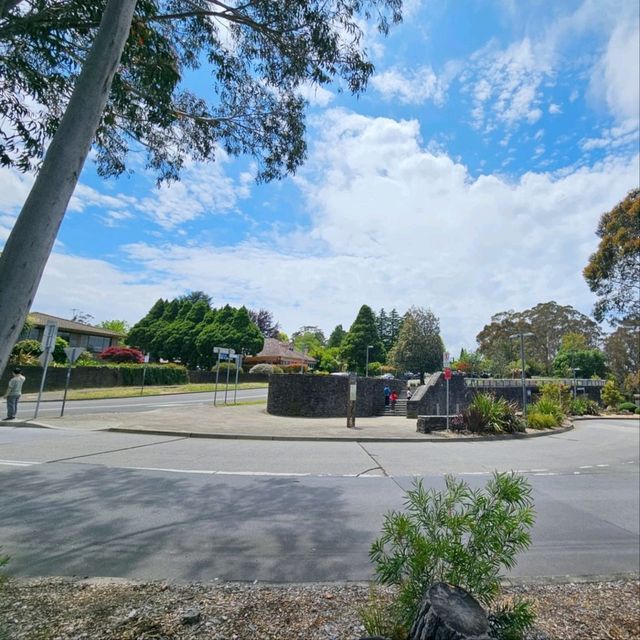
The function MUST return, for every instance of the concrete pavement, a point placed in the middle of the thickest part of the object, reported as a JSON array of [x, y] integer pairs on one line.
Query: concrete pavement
[[247, 421]]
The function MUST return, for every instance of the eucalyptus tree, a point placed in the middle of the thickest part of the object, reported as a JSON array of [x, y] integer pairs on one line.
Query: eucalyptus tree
[[613, 271], [110, 74]]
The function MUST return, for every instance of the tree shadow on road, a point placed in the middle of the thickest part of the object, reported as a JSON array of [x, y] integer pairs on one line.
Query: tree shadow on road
[[96, 521]]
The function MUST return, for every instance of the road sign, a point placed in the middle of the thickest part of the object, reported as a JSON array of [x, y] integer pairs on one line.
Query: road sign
[[447, 373], [446, 359], [73, 353], [48, 342], [224, 350]]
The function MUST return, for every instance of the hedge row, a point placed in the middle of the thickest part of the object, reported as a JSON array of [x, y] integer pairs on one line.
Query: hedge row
[[156, 374]]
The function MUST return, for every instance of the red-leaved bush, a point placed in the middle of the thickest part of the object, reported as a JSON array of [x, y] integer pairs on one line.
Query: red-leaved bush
[[122, 354]]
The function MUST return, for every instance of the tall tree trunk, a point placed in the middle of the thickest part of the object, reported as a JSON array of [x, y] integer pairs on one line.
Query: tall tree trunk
[[27, 250]]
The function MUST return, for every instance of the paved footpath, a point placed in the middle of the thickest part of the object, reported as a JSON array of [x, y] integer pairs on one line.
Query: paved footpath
[[246, 421]]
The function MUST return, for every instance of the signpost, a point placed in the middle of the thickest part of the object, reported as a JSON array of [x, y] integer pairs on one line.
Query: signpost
[[73, 353], [48, 345], [446, 362], [351, 403], [144, 372], [224, 353], [238, 367]]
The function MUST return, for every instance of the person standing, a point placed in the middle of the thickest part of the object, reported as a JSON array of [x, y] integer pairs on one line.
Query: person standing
[[14, 391], [387, 393], [394, 399]]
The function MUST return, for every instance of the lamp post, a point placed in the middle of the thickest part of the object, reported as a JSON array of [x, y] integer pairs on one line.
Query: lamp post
[[575, 390], [522, 336], [366, 367]]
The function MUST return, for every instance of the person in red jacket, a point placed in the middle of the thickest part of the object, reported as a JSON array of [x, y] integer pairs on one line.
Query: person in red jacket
[[393, 398]]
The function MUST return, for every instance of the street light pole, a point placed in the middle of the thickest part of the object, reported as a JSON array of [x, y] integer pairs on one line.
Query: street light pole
[[366, 368], [522, 336], [575, 390]]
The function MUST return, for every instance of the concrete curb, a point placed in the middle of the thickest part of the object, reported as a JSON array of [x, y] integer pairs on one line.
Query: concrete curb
[[625, 416], [175, 433], [285, 438]]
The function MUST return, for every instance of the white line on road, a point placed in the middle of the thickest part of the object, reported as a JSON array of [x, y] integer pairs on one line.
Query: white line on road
[[273, 474], [18, 463]]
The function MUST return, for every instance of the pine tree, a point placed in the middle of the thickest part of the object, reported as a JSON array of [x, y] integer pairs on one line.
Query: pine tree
[[337, 336], [362, 334]]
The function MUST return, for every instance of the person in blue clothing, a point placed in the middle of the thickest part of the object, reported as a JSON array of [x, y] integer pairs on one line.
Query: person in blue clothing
[[387, 395]]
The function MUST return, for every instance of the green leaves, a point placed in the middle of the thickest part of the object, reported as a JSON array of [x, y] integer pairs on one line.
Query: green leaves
[[462, 536], [257, 54], [613, 271]]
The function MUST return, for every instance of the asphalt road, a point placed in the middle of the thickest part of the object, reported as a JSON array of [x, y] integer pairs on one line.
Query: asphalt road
[[136, 403], [151, 507]]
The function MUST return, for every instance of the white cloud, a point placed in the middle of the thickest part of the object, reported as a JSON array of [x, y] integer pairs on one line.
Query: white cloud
[[616, 77], [410, 87], [555, 109], [392, 225], [99, 288], [316, 95], [613, 138], [505, 84]]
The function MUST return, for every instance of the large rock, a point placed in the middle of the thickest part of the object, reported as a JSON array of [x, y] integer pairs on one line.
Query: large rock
[[450, 613]]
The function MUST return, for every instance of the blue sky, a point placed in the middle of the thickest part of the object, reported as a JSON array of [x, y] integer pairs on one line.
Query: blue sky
[[469, 178]]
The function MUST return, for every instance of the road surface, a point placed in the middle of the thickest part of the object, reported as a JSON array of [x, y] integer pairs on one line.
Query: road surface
[[137, 403], [154, 507]]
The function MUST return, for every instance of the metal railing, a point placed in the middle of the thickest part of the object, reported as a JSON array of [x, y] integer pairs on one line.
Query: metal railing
[[494, 383]]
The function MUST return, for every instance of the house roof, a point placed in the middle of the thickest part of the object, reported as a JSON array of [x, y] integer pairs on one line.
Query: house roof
[[41, 319], [273, 348]]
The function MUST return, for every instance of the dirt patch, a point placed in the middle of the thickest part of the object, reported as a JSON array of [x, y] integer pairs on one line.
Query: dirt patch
[[106, 609]]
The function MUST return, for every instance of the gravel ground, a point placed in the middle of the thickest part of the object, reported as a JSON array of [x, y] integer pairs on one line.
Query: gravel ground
[[59, 609]]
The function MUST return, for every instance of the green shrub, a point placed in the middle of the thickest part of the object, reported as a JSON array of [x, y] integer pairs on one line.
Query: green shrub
[[85, 359], [156, 374], [223, 367], [486, 413], [537, 420], [265, 369], [380, 618], [461, 536], [548, 407], [627, 406], [512, 621], [584, 407], [610, 394], [556, 392], [375, 369], [294, 368], [637, 411], [25, 352]]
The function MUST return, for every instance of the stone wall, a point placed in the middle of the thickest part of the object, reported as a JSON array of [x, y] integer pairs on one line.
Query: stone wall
[[325, 396], [433, 401]]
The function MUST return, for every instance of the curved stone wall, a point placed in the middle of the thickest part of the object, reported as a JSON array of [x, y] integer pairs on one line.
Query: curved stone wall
[[312, 396]]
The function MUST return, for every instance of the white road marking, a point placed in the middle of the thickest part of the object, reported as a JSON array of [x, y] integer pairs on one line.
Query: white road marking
[[538, 470], [576, 473], [275, 474], [18, 463], [549, 473]]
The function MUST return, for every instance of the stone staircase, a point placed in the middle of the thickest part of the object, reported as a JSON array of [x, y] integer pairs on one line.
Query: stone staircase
[[400, 410]]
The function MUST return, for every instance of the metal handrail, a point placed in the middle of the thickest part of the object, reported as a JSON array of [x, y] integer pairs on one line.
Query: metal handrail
[[492, 383]]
